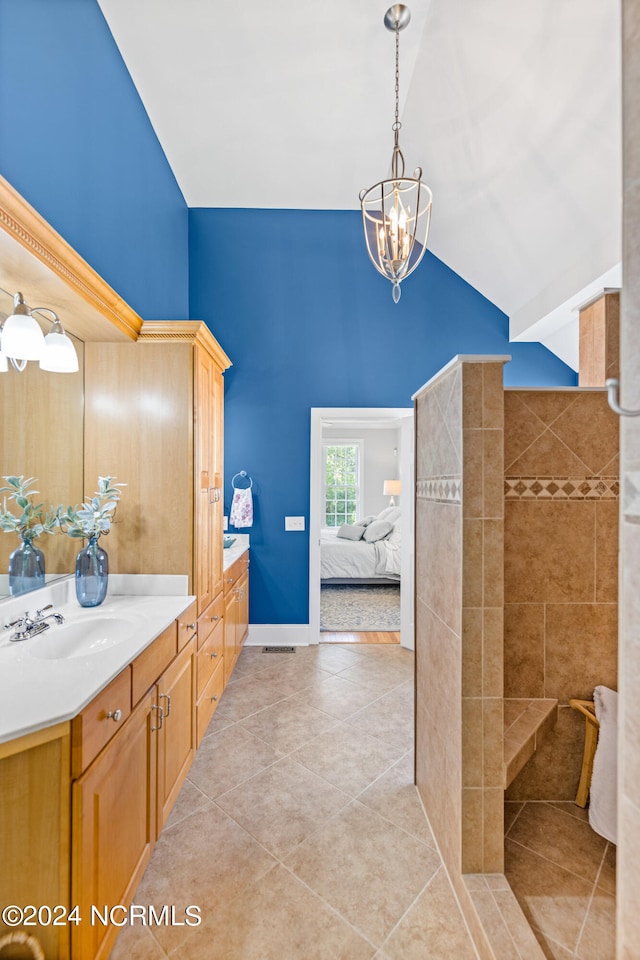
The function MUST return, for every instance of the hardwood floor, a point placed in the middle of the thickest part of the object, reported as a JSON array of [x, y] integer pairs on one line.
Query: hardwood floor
[[369, 637]]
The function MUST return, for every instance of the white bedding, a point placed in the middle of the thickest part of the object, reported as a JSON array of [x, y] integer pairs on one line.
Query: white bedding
[[357, 559]]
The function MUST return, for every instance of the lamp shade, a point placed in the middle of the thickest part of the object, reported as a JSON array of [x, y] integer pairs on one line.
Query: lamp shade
[[59, 354], [392, 488], [22, 338]]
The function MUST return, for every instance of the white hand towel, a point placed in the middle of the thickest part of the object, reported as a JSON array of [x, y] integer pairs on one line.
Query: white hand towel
[[241, 514], [603, 790]]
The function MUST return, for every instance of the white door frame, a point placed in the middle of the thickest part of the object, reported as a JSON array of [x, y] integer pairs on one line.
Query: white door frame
[[405, 417]]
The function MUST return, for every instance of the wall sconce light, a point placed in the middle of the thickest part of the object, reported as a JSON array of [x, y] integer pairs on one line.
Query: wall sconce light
[[391, 489], [21, 339], [396, 213]]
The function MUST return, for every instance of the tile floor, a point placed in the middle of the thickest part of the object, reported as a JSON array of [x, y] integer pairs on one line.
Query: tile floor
[[299, 832], [563, 875]]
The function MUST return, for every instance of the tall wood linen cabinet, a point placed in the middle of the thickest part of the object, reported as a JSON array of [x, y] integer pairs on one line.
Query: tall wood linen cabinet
[[154, 421]]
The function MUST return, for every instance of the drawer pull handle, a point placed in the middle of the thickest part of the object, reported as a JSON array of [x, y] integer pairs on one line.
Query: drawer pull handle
[[216, 617], [215, 697], [114, 715], [215, 653], [154, 706], [167, 697], [191, 626]]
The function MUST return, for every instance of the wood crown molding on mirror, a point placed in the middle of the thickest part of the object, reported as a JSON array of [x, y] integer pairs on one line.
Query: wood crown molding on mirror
[[195, 330], [36, 260]]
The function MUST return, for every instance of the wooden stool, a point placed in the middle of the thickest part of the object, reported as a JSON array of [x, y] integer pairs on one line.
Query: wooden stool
[[587, 709]]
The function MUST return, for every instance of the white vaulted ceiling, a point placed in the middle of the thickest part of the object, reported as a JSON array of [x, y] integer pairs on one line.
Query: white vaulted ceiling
[[512, 109]]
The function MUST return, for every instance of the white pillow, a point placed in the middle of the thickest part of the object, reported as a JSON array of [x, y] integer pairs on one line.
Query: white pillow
[[390, 514], [377, 530], [350, 531], [365, 521]]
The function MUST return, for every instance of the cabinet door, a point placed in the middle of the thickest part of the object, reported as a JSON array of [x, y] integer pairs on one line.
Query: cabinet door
[[230, 627], [177, 737], [216, 518], [243, 612], [204, 546], [114, 827]]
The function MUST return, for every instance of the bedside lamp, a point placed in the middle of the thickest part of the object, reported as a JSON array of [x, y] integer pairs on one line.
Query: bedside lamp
[[392, 488]]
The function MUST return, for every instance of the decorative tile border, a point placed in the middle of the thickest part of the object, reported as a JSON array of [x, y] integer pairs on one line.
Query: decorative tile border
[[445, 489], [561, 488]]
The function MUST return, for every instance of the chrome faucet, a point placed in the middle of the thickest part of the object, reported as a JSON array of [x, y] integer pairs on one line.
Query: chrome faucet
[[25, 627]]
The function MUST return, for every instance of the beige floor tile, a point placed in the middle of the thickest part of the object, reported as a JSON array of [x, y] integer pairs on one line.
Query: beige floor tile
[[551, 948], [512, 809], [391, 718], [228, 758], [607, 878], [136, 943], [366, 868], [292, 679], [566, 841], [334, 658], [385, 672], [287, 725], [278, 918], [338, 697], [282, 805], [190, 800], [553, 899], [432, 928], [204, 860], [248, 696], [347, 757], [395, 797], [568, 806], [598, 940]]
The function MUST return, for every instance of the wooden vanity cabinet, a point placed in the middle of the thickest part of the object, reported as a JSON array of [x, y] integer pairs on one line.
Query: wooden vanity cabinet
[[113, 827], [123, 798], [236, 611], [154, 420]]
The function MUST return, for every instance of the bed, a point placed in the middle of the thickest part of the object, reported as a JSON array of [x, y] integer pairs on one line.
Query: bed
[[345, 560]]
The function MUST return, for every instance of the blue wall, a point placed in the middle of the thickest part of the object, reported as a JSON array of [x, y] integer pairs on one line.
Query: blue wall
[[293, 299], [77, 143]]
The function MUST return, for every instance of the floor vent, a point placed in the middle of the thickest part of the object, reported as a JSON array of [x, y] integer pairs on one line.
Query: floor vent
[[278, 649]]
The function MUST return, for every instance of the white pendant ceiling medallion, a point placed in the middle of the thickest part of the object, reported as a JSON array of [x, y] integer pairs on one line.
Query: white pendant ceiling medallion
[[396, 213]]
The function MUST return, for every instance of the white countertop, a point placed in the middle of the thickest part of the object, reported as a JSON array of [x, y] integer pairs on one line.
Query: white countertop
[[231, 554], [36, 693]]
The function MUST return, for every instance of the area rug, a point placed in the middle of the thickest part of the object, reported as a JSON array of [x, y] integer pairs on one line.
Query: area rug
[[359, 608]]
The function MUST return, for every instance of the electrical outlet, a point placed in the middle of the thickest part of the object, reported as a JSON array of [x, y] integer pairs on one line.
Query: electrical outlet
[[294, 523]]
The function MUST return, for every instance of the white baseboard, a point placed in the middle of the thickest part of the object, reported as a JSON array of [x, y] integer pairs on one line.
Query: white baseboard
[[278, 635]]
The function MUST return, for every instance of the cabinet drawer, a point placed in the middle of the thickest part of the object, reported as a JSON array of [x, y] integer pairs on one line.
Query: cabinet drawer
[[92, 729], [187, 624], [209, 620], [209, 656], [233, 573], [149, 665], [209, 701]]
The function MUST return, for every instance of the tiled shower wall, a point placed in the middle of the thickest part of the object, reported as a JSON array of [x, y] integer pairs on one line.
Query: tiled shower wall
[[561, 576], [459, 600]]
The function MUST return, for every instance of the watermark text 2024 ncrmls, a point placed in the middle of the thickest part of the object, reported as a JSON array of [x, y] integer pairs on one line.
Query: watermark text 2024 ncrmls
[[145, 915]]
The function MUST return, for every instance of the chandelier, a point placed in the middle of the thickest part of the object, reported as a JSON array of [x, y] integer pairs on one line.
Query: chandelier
[[396, 213]]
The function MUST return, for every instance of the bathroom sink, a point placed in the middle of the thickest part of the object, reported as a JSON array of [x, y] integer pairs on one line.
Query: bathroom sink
[[81, 639]]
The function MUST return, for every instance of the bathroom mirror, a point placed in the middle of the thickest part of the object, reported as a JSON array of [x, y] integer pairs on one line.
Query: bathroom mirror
[[42, 437], [42, 433]]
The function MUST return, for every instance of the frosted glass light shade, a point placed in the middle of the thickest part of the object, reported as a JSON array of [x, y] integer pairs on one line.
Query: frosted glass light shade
[[59, 354], [22, 338]]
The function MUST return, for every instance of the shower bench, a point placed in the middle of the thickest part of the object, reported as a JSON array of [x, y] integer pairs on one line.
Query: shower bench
[[526, 723]]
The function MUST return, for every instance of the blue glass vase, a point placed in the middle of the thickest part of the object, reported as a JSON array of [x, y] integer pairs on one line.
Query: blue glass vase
[[26, 569], [92, 574]]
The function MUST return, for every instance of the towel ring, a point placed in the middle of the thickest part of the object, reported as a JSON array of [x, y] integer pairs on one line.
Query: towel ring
[[245, 476]]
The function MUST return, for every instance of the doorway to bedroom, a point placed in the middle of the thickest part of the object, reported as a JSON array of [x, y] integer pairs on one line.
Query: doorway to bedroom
[[361, 526]]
